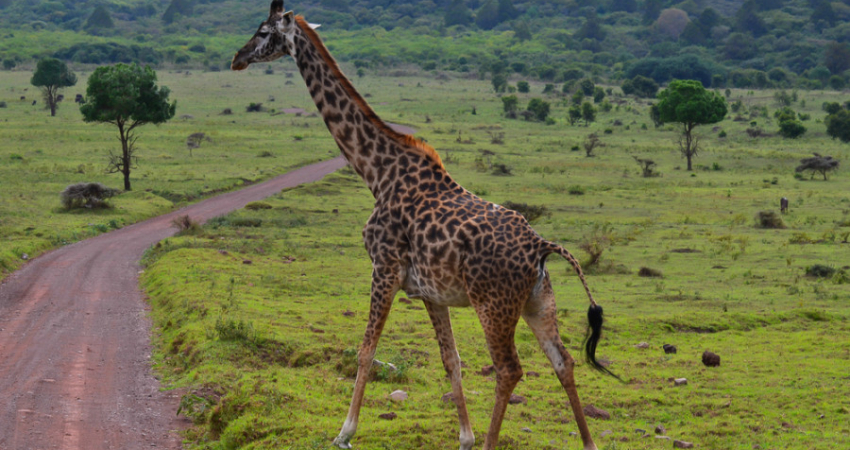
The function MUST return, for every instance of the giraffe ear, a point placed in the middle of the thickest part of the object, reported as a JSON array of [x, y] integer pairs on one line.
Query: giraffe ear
[[314, 25], [276, 8]]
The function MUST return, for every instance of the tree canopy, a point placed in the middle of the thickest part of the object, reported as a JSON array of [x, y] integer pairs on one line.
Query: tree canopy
[[51, 75], [689, 103], [838, 125], [126, 96]]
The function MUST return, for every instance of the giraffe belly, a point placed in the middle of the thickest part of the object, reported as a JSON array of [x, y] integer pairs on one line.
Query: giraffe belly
[[443, 292]]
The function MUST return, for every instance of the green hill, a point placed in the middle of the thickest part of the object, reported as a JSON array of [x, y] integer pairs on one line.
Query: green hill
[[757, 43]]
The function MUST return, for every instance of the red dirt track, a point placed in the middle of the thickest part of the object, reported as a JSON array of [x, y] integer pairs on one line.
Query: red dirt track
[[75, 368]]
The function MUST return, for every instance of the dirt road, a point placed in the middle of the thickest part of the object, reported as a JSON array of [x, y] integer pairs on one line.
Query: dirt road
[[75, 370]]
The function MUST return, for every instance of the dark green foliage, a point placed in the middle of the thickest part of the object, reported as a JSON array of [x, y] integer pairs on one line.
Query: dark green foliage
[[500, 82], [838, 125], [837, 82], [789, 126], [662, 70], [598, 94], [648, 272], [487, 16], [177, 7], [588, 113], [530, 212], [51, 75], [99, 20], [640, 86], [510, 104], [126, 96], [573, 74], [748, 21], [522, 86], [689, 103], [539, 108], [831, 107], [820, 271], [591, 29], [106, 53], [457, 14], [586, 86], [655, 115], [836, 58], [86, 195], [9, 64]]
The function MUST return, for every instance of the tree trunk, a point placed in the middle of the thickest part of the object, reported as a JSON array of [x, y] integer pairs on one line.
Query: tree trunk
[[125, 157], [51, 100]]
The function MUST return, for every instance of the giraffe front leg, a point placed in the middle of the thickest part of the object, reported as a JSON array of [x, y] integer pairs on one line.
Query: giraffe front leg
[[385, 284], [451, 361]]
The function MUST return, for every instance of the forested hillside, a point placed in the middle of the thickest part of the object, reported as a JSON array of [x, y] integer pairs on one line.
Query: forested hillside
[[757, 43]]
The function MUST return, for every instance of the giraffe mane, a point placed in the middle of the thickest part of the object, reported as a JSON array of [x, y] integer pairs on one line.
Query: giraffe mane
[[405, 140]]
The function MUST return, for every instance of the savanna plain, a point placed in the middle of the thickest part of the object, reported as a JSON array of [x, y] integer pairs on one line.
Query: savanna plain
[[258, 314]]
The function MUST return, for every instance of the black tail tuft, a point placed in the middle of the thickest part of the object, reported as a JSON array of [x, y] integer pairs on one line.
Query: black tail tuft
[[591, 340]]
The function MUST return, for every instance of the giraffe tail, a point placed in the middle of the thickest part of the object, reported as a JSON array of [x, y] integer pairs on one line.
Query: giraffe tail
[[594, 317]]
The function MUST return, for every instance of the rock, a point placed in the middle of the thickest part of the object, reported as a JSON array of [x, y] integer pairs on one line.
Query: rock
[[682, 444], [669, 348], [596, 413], [710, 359], [398, 396], [642, 345], [448, 397], [573, 434], [660, 429], [388, 416], [526, 429], [517, 399], [223, 252], [680, 381], [606, 433], [25, 257], [247, 261], [787, 425], [488, 370]]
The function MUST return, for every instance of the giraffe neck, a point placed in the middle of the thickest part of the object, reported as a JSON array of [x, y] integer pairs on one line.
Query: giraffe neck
[[380, 155]]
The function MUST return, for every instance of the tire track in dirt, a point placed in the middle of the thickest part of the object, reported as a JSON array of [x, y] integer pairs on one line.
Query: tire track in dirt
[[75, 370]]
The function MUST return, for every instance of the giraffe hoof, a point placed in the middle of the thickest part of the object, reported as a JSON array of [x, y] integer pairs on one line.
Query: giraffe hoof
[[341, 442]]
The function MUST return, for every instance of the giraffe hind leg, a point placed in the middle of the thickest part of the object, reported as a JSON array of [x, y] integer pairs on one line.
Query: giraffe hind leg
[[541, 315], [451, 360]]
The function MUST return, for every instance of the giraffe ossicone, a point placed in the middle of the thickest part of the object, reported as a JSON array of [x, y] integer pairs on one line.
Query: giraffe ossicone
[[433, 239]]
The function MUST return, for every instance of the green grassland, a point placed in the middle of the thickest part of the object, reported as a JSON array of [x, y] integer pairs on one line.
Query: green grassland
[[40, 154], [265, 350], [259, 314]]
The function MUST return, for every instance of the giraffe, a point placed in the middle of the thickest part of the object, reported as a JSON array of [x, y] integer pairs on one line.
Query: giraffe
[[433, 239]]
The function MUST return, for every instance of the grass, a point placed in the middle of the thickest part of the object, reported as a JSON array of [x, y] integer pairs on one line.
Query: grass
[[259, 313]]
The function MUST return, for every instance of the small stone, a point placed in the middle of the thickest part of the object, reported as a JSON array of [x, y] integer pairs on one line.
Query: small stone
[[526, 429], [660, 429], [710, 359], [247, 261], [680, 381], [531, 373], [642, 345], [662, 437], [223, 252], [517, 399], [488, 370], [448, 397], [756, 447], [25, 257], [596, 413], [388, 416], [606, 433], [682, 444], [787, 425], [573, 434], [669, 348], [348, 313], [398, 396]]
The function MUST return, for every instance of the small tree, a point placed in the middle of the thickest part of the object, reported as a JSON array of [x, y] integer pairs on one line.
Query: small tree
[[510, 104], [574, 114], [500, 82], [540, 109], [51, 75], [126, 96], [523, 87], [588, 113], [591, 143], [647, 167], [818, 164], [689, 103], [838, 125]]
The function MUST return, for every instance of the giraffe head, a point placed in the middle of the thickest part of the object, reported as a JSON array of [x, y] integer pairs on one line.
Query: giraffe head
[[272, 40]]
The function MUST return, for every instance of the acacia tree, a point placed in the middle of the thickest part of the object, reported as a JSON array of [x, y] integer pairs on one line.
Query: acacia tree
[[689, 103], [51, 75], [126, 96]]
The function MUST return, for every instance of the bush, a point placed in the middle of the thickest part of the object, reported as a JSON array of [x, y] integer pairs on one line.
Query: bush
[[86, 195], [3, 104], [254, 107], [791, 129], [255, 206], [576, 190], [769, 219], [186, 225], [530, 212], [820, 271], [650, 273]]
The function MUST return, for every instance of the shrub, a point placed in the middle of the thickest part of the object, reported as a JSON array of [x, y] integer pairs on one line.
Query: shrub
[[255, 206], [3, 104], [530, 212], [650, 273], [820, 271], [576, 190], [86, 195], [186, 225], [254, 107], [769, 219]]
